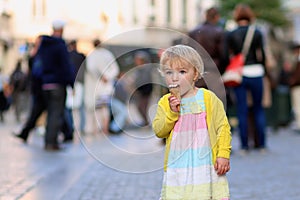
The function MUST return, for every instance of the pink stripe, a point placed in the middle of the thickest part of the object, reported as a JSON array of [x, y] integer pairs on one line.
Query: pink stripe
[[190, 139], [189, 122]]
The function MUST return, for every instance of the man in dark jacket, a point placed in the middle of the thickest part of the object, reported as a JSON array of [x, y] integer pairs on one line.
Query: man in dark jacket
[[211, 37], [57, 73]]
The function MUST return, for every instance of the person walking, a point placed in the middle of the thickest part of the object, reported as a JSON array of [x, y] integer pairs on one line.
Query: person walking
[[18, 82], [198, 134], [211, 37], [57, 73], [78, 60], [5, 95], [38, 105], [253, 73], [101, 71], [143, 83], [118, 105], [294, 83]]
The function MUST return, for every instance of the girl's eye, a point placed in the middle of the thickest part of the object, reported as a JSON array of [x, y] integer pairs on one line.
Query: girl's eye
[[182, 72], [168, 72]]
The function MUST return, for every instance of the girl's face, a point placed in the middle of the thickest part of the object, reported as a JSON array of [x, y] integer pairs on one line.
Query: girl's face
[[183, 74]]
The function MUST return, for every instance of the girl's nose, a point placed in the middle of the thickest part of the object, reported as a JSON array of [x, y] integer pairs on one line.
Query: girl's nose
[[175, 76]]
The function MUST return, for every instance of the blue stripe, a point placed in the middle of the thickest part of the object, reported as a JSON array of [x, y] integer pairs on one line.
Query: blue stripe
[[190, 158], [194, 104]]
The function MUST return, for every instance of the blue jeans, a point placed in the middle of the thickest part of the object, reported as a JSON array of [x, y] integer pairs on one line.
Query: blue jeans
[[255, 86], [68, 124], [55, 103]]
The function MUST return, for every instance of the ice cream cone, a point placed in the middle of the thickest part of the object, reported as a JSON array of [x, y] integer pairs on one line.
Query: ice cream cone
[[175, 91]]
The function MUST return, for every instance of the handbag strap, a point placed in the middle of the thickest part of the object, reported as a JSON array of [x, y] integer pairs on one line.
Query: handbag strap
[[248, 40]]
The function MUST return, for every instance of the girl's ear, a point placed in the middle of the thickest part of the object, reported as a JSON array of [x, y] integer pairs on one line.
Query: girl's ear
[[196, 76]]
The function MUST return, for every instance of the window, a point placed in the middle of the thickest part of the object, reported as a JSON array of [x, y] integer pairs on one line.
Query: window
[[169, 15], [39, 9]]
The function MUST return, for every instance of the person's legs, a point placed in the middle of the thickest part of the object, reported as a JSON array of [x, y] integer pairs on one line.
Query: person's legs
[[242, 113], [82, 118], [119, 113], [143, 107], [38, 106], [256, 88], [295, 94], [104, 118], [55, 101], [16, 102], [68, 125]]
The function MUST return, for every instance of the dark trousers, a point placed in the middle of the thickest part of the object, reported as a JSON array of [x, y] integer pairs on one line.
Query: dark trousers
[[255, 86], [37, 108], [68, 124], [55, 104]]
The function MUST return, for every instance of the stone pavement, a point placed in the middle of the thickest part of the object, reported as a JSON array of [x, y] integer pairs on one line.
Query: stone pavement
[[128, 166]]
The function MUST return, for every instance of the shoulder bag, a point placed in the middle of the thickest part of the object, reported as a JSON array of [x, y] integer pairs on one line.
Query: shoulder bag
[[232, 76]]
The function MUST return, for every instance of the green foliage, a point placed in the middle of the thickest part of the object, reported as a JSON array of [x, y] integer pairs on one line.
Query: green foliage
[[270, 11]]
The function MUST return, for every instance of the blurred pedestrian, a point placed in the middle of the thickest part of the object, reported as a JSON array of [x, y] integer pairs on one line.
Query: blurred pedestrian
[[57, 74], [118, 106], [294, 82], [101, 71], [5, 94], [78, 60], [38, 105], [253, 73], [211, 37], [18, 82], [143, 83], [198, 135]]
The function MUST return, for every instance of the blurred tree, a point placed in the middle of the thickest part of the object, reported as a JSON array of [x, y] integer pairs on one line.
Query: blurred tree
[[271, 11]]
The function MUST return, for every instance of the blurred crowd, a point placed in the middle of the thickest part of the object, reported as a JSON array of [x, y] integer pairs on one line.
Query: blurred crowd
[[268, 95], [56, 80]]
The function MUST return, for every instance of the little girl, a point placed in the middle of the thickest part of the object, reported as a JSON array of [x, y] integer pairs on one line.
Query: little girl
[[198, 134]]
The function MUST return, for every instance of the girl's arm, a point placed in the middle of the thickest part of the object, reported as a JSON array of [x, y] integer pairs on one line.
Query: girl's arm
[[165, 118], [222, 128]]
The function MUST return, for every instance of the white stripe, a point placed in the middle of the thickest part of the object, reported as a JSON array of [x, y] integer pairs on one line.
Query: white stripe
[[192, 176], [254, 70]]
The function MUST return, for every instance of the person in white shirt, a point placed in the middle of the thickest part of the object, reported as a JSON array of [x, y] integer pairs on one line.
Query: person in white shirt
[[101, 71]]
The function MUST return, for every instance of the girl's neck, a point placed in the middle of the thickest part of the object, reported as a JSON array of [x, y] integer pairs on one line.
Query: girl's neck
[[191, 93]]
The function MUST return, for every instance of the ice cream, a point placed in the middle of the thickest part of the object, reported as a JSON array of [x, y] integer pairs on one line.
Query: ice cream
[[175, 91]]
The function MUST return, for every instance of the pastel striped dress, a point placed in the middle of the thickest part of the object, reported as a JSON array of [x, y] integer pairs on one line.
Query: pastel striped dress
[[190, 173]]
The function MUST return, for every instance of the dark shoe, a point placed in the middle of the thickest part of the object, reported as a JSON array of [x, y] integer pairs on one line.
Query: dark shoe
[[24, 139], [52, 147], [68, 140], [114, 132]]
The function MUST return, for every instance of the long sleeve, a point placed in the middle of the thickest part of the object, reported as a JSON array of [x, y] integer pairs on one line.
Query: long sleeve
[[165, 118], [218, 126]]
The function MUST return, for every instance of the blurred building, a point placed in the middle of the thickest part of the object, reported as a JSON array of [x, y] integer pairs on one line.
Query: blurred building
[[294, 6], [22, 20]]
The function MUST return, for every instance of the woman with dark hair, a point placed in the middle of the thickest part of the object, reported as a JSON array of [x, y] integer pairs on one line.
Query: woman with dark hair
[[253, 73]]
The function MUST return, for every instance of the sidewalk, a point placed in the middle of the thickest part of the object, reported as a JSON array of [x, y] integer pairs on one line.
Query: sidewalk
[[129, 166]]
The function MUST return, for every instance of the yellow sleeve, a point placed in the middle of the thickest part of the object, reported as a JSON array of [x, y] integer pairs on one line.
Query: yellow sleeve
[[218, 126], [165, 118]]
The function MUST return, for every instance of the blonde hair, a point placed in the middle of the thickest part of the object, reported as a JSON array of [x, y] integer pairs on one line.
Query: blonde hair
[[182, 54]]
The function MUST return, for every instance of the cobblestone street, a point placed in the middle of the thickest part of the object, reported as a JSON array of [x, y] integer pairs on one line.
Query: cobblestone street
[[129, 166]]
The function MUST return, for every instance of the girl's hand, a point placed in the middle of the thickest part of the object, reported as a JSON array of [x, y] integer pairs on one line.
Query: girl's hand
[[174, 103], [222, 166]]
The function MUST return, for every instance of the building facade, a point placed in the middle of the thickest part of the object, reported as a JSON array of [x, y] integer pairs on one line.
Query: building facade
[[22, 21]]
